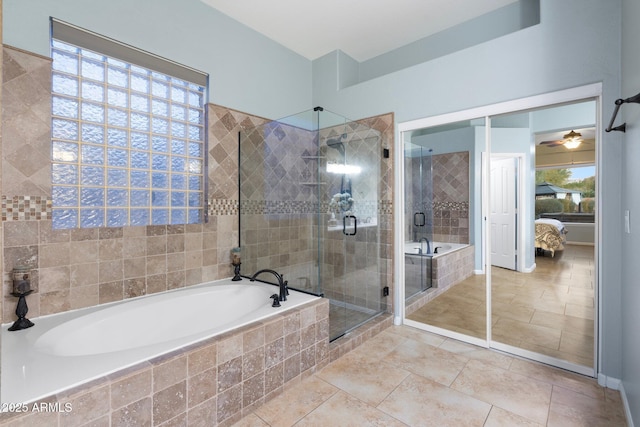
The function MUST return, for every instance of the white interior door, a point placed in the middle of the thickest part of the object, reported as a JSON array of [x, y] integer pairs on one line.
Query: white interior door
[[503, 212]]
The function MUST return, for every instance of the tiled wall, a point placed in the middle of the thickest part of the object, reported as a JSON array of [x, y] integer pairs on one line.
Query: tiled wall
[[450, 197], [85, 267], [282, 193], [214, 382]]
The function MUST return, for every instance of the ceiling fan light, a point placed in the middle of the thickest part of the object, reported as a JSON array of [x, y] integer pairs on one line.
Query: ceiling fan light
[[572, 140], [572, 143]]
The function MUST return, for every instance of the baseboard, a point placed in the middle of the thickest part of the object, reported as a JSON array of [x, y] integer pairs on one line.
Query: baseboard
[[625, 405], [609, 382], [478, 271], [529, 269]]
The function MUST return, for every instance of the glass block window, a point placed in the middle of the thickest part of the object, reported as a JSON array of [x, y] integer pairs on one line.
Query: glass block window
[[128, 143]]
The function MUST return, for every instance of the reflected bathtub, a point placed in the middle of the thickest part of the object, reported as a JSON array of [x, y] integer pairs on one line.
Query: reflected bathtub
[[68, 349], [412, 248]]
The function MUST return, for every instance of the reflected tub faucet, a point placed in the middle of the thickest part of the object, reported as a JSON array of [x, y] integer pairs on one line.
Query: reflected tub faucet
[[283, 284], [424, 239]]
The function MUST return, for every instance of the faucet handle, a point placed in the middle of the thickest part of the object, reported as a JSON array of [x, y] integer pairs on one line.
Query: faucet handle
[[276, 300], [286, 287]]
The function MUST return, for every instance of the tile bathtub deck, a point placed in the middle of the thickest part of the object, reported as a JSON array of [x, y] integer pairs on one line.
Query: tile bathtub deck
[[407, 377]]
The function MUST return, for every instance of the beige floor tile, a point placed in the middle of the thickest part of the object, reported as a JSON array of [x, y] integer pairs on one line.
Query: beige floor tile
[[345, 410], [569, 409], [491, 357], [578, 344], [580, 311], [506, 329], [498, 417], [555, 376], [251, 420], [363, 378], [580, 291], [427, 361], [418, 335], [464, 322], [420, 402], [563, 322], [511, 311], [511, 391], [300, 400], [379, 346]]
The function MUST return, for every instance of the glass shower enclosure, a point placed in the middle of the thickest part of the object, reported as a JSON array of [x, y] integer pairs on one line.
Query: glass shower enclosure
[[419, 218], [309, 203]]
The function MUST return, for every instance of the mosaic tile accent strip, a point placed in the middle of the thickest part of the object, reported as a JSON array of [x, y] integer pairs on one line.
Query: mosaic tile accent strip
[[385, 207], [459, 206], [261, 207], [222, 207], [26, 208]]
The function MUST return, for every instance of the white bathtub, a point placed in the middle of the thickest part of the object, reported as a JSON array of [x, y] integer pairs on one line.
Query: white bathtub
[[71, 348], [411, 248]]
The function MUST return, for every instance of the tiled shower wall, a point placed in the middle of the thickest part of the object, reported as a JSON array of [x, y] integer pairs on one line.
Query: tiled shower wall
[[450, 197], [279, 202], [281, 196], [85, 267]]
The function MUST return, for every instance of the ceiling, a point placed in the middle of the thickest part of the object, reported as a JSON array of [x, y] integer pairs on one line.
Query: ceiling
[[362, 29]]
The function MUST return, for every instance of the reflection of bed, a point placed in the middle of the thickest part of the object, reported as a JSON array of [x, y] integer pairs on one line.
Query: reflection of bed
[[550, 235]]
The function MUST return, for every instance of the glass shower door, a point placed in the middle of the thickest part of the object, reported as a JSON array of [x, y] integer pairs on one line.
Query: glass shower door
[[309, 190], [419, 213], [351, 275]]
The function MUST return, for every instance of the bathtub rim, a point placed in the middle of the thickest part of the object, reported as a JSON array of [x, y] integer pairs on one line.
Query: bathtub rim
[[11, 340], [455, 248]]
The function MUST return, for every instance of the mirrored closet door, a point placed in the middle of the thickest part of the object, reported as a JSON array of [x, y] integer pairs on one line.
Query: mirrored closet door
[[500, 231], [542, 219], [444, 284]]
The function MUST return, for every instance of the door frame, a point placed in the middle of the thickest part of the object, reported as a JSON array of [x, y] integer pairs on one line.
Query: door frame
[[580, 93]]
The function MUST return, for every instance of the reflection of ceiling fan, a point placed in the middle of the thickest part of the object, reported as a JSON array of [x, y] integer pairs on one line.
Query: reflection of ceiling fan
[[570, 140]]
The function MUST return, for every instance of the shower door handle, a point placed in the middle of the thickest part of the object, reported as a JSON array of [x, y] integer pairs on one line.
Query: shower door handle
[[415, 219], [344, 225]]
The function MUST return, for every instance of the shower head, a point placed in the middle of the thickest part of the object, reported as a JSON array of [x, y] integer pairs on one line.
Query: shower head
[[337, 144]]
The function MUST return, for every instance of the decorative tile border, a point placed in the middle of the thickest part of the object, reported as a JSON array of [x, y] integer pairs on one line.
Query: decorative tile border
[[35, 208], [26, 208], [460, 206], [264, 207], [222, 207]]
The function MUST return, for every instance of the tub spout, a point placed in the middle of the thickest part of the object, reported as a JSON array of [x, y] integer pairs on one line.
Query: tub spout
[[424, 239], [283, 284]]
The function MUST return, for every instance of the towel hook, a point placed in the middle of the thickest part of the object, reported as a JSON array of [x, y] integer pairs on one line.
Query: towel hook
[[619, 102]]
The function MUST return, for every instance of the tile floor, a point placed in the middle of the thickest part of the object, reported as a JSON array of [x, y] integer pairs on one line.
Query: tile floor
[[549, 311], [407, 377], [342, 319]]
